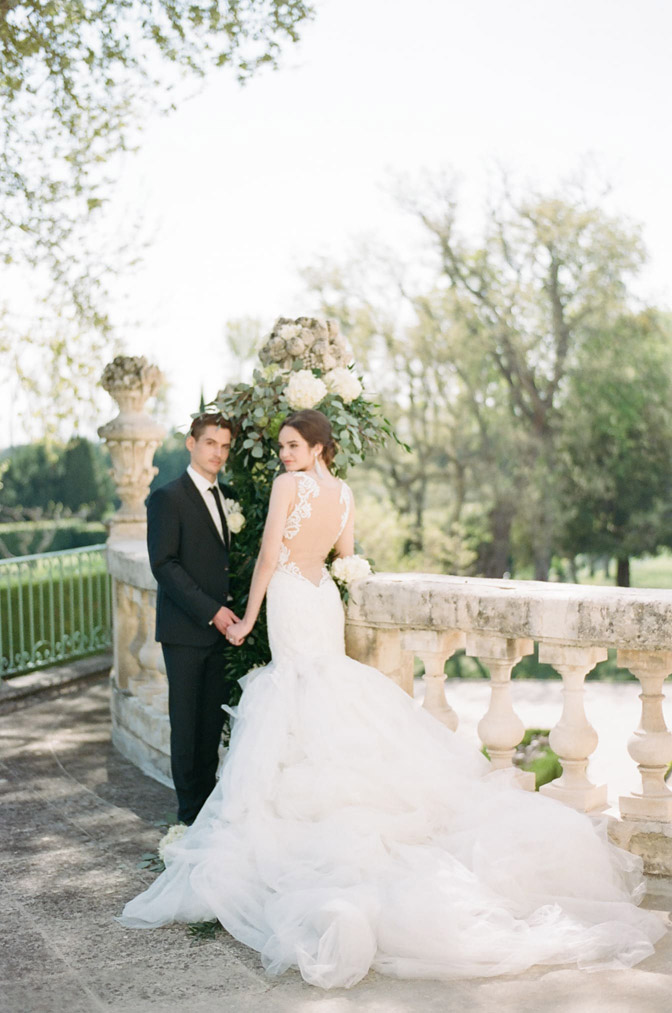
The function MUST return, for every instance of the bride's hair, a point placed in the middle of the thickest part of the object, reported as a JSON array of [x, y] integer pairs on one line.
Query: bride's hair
[[315, 428]]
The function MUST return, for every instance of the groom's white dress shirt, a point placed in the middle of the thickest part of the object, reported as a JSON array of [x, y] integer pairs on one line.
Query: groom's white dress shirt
[[204, 488]]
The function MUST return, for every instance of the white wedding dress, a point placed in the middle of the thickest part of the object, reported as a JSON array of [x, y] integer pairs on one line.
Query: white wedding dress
[[350, 830]]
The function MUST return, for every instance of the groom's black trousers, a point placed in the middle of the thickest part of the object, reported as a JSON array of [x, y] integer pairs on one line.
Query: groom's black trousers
[[195, 697]]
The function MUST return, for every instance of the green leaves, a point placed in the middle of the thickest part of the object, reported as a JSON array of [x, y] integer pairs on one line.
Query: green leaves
[[257, 412]]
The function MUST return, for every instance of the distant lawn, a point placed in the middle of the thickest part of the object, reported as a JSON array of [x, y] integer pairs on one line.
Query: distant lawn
[[650, 571]]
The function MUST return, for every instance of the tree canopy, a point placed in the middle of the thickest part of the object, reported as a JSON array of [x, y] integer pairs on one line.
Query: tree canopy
[[531, 387], [78, 79]]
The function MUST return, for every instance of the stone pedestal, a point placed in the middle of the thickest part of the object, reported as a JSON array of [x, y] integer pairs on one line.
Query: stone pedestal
[[132, 437]]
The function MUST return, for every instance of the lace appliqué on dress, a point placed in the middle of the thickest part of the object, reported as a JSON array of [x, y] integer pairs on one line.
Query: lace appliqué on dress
[[345, 501], [286, 565], [307, 487]]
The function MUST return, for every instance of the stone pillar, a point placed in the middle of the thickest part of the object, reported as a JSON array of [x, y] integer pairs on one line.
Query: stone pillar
[[651, 744], [434, 649], [574, 738], [501, 729], [132, 438]]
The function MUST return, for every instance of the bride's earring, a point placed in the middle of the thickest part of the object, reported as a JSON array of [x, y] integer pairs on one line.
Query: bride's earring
[[316, 465]]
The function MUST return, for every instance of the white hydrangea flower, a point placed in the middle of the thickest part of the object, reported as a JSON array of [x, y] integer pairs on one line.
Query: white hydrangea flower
[[277, 348], [344, 383], [304, 390], [174, 834], [235, 519], [296, 345], [350, 568], [289, 331]]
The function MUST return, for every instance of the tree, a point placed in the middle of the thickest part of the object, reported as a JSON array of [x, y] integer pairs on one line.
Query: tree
[[616, 445], [171, 458], [85, 482], [452, 493], [44, 478], [32, 478], [77, 81], [550, 271], [77, 78]]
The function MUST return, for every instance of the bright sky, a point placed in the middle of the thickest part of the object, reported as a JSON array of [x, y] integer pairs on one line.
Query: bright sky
[[242, 186]]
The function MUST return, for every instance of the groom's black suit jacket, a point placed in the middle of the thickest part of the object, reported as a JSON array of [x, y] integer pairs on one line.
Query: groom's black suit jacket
[[190, 562]]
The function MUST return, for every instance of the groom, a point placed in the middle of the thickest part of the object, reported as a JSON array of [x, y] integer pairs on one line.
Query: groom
[[188, 542]]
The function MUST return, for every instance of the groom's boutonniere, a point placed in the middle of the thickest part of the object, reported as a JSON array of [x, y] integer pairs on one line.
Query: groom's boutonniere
[[345, 570], [235, 519]]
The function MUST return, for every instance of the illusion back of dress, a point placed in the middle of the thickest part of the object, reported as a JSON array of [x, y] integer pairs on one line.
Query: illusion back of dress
[[304, 611], [314, 525]]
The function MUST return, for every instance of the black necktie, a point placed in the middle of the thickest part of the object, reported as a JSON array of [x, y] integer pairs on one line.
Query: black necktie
[[225, 530]]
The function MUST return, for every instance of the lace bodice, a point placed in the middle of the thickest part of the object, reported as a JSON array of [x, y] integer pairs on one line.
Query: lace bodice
[[314, 525]]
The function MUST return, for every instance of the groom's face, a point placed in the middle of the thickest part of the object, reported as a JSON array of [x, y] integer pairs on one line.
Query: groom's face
[[210, 451]]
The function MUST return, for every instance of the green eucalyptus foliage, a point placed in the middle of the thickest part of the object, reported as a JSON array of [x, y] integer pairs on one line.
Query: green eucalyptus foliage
[[257, 411]]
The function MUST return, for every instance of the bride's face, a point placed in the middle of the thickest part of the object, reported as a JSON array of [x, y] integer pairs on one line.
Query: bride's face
[[295, 452]]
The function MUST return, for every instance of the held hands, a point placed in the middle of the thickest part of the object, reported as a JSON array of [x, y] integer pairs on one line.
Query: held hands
[[223, 619], [237, 632]]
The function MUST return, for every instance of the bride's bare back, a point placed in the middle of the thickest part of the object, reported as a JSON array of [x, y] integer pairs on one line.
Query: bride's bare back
[[319, 517]]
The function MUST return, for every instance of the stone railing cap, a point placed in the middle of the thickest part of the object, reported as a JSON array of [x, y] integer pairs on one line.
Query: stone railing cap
[[638, 618]]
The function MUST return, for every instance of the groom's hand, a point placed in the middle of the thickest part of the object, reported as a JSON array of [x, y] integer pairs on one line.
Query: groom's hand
[[223, 619]]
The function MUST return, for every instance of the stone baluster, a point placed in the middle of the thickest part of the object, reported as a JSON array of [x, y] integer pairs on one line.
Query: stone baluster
[[125, 620], [651, 744], [574, 738], [137, 678], [434, 649], [150, 655], [501, 729]]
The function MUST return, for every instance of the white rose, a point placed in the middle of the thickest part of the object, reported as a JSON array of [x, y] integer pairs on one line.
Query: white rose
[[350, 568], [235, 519], [174, 834], [304, 390], [235, 522], [344, 383]]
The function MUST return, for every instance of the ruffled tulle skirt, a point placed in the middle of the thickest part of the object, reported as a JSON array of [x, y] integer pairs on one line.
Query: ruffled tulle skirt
[[351, 831]]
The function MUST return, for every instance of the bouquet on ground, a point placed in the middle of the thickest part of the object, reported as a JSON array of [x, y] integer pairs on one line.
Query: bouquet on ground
[[174, 834], [345, 570]]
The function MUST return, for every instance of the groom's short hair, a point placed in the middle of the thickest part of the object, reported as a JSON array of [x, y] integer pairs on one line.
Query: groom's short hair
[[205, 419]]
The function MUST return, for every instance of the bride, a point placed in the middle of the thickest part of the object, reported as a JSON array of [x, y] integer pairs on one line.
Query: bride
[[350, 830]]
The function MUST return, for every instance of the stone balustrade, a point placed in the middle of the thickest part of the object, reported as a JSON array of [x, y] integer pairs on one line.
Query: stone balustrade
[[392, 619], [139, 701]]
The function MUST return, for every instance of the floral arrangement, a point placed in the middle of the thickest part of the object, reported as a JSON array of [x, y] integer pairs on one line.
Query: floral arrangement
[[345, 570], [174, 834], [131, 372], [305, 363], [318, 343]]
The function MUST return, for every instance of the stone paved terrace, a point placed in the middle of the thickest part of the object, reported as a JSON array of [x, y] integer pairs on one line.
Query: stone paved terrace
[[75, 818]]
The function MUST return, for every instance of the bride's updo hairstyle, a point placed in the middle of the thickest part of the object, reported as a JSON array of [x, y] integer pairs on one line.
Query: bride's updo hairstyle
[[315, 428]]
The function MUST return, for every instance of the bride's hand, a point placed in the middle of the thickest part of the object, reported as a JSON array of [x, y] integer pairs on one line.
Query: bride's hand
[[236, 632]]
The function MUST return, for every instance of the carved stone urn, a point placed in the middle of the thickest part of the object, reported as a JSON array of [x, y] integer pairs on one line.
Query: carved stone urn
[[132, 438]]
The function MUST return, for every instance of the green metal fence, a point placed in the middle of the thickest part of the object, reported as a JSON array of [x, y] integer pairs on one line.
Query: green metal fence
[[53, 607]]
